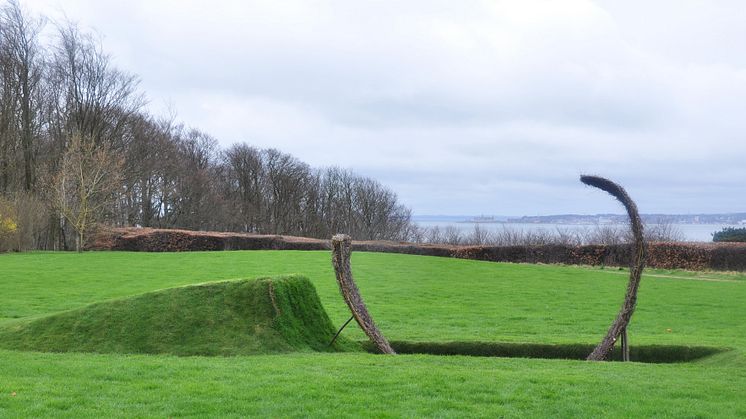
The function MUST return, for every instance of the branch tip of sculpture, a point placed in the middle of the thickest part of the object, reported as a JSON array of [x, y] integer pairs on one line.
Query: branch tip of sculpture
[[341, 238]]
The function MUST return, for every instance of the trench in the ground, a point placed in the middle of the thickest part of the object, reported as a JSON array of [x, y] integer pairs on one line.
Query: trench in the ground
[[658, 354]]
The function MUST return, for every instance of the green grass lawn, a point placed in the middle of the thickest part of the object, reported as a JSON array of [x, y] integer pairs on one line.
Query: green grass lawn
[[412, 298]]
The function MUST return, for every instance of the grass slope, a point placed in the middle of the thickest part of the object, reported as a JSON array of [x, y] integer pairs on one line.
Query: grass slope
[[413, 299], [244, 317]]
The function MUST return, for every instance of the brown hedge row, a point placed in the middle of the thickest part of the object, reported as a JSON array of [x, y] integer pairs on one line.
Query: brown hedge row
[[660, 255], [691, 256], [161, 240]]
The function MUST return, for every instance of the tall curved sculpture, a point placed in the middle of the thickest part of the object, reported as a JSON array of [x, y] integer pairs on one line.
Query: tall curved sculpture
[[341, 249], [639, 247]]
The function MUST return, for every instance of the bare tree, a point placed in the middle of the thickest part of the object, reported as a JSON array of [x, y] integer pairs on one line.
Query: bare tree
[[663, 231], [479, 236], [607, 234], [8, 102], [452, 235], [435, 235], [415, 233], [287, 180], [144, 159], [84, 186], [93, 98], [568, 237], [21, 65], [378, 214], [244, 175], [196, 203], [337, 198]]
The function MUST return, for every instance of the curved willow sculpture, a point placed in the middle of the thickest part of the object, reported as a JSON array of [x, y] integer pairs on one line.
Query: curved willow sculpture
[[619, 326], [341, 249]]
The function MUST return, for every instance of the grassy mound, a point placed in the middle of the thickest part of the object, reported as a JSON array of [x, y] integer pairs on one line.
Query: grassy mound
[[261, 316]]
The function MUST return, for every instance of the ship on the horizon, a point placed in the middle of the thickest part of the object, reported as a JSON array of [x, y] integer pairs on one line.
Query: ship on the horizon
[[482, 219]]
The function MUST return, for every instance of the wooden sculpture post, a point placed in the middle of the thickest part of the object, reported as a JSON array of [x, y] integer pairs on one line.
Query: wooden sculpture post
[[341, 249], [619, 326]]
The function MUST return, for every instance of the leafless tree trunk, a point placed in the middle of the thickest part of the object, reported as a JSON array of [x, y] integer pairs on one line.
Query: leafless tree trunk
[[341, 249], [22, 66], [619, 326], [83, 187], [244, 171], [94, 98], [8, 102]]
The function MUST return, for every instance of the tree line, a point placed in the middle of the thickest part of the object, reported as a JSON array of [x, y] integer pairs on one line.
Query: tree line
[[77, 148]]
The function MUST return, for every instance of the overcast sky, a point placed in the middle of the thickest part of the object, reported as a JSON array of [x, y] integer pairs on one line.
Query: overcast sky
[[461, 107]]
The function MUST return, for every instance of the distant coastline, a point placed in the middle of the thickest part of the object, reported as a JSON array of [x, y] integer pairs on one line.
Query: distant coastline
[[738, 218]]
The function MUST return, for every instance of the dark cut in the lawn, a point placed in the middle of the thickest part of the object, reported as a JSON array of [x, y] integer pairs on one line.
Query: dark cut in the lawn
[[268, 315], [659, 354]]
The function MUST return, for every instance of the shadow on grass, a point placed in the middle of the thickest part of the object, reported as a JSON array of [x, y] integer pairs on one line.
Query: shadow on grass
[[658, 354]]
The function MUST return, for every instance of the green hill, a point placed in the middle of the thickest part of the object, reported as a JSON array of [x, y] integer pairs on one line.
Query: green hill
[[267, 315]]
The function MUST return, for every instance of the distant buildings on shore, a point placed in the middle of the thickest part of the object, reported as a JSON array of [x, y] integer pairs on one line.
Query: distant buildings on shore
[[725, 218], [731, 218]]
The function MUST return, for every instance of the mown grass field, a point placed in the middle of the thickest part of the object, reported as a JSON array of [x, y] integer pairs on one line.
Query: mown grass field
[[412, 298]]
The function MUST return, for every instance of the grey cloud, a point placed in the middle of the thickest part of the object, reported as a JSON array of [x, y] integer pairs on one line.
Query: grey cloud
[[461, 107]]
